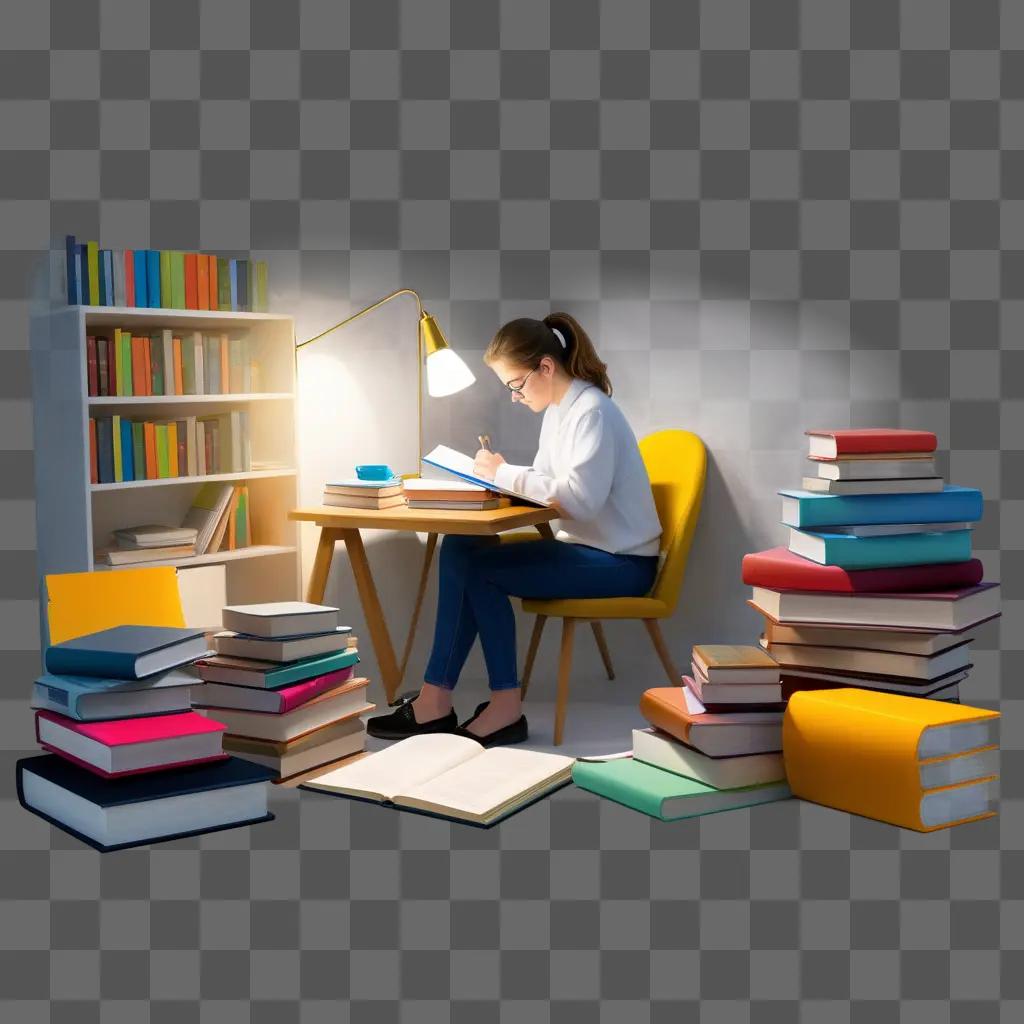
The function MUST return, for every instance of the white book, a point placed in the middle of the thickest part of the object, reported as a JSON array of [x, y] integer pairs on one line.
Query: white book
[[281, 618], [237, 645], [916, 485], [671, 755], [236, 441], [733, 693], [450, 776], [117, 259], [199, 364], [155, 535], [461, 466], [430, 484], [247, 366], [333, 706], [168, 347], [895, 529], [875, 469]]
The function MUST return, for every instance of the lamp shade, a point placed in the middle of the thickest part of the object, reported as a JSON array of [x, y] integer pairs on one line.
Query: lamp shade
[[446, 373]]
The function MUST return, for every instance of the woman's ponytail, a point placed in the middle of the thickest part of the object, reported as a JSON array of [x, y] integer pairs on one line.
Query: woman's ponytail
[[581, 358]]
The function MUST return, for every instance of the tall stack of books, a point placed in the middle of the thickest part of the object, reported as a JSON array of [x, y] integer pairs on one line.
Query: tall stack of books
[[162, 279], [283, 684], [714, 743], [451, 494], [877, 588], [356, 493], [129, 762]]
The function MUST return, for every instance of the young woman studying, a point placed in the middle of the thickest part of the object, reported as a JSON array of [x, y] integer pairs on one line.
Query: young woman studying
[[589, 467]]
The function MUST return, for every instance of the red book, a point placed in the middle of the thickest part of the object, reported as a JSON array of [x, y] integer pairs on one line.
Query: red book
[[94, 473], [129, 746], [213, 282], [129, 277], [191, 283], [828, 444], [111, 366], [781, 569], [91, 364], [202, 281]]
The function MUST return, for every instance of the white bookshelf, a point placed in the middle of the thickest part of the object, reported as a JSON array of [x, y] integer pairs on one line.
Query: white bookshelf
[[75, 517]]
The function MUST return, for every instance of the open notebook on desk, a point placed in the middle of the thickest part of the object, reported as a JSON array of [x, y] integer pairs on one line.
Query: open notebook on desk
[[451, 461]]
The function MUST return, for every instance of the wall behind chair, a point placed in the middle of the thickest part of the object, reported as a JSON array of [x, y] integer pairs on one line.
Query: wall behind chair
[[770, 216]]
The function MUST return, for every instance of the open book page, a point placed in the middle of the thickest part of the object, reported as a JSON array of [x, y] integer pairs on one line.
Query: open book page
[[448, 459], [399, 768], [499, 776]]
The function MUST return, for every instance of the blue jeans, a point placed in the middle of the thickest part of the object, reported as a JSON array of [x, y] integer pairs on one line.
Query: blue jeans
[[477, 575]]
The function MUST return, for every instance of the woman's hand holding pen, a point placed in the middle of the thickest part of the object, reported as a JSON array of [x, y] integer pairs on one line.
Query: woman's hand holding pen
[[486, 463]]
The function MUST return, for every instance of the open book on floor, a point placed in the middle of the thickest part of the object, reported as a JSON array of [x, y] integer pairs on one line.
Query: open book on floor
[[449, 777], [461, 466]]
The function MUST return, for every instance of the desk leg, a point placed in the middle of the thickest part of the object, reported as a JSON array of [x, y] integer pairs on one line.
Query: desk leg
[[424, 574], [390, 675], [317, 586], [544, 529]]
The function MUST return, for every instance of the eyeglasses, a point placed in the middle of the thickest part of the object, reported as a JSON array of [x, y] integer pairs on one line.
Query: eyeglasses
[[517, 389]]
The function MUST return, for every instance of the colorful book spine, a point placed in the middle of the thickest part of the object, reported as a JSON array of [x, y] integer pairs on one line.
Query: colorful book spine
[[115, 427], [92, 364], [165, 278], [93, 257], [130, 298], [154, 279], [74, 284], [141, 277], [127, 451], [177, 280]]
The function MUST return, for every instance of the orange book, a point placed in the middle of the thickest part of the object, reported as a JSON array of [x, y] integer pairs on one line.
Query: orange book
[[179, 386], [225, 365], [172, 448], [94, 473], [147, 359], [190, 281], [866, 751], [138, 366], [213, 282], [149, 432], [202, 281]]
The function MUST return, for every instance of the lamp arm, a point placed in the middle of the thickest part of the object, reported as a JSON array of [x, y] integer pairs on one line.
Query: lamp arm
[[363, 312]]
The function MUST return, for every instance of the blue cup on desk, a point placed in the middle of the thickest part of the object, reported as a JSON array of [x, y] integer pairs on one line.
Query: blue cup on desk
[[374, 471]]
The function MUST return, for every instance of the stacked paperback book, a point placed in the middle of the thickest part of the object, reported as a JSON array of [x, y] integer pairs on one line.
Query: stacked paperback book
[[357, 493], [701, 755], [162, 278], [129, 762], [283, 684], [452, 495], [877, 588]]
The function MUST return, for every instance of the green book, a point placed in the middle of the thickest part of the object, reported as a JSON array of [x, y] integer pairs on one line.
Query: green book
[[92, 255], [118, 457], [177, 279], [223, 283], [125, 383], [241, 540], [163, 462], [665, 795], [156, 364], [165, 279], [139, 450]]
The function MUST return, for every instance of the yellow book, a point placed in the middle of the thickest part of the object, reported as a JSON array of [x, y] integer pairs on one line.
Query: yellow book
[[92, 255], [118, 458], [862, 751], [172, 449]]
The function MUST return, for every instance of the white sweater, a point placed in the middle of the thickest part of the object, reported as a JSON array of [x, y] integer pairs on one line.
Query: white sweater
[[589, 463]]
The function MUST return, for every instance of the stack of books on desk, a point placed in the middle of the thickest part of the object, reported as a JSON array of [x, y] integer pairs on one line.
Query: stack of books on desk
[[452, 495], [877, 588], [283, 683], [356, 493], [129, 761]]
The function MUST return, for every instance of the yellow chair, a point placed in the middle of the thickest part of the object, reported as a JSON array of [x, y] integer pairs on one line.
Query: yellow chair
[[676, 463]]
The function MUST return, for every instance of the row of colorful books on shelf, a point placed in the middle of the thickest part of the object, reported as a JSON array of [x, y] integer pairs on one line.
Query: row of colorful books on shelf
[[220, 519], [163, 363], [162, 279], [121, 449]]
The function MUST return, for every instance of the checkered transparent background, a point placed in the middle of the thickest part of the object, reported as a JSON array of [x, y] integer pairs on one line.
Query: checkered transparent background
[[770, 215]]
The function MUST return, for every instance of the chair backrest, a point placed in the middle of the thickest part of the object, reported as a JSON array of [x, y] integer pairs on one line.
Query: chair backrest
[[677, 464], [87, 602]]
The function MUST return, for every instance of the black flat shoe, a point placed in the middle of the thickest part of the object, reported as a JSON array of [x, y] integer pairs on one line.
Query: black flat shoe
[[476, 714], [517, 732], [402, 723]]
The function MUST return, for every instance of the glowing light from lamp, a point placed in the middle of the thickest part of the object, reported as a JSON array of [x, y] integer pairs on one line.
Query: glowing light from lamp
[[447, 373]]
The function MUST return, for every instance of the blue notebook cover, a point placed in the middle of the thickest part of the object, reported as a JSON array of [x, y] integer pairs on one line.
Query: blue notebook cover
[[127, 446], [109, 793], [63, 692], [140, 272], [114, 652], [850, 552], [952, 504], [71, 257], [153, 277]]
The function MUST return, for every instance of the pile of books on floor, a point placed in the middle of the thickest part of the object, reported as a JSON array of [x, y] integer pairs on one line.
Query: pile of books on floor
[[357, 493], [129, 761], [162, 278], [219, 519], [699, 758], [130, 363], [122, 449], [452, 495], [283, 683], [877, 588]]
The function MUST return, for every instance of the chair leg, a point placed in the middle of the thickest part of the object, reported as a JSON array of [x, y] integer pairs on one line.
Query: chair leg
[[602, 646], [654, 630], [531, 654], [564, 667]]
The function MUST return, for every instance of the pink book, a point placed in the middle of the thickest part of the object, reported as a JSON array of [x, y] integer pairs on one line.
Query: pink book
[[129, 746], [276, 702]]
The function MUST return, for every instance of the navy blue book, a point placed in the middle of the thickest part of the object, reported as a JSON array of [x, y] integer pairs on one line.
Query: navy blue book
[[108, 269], [83, 263], [105, 448], [140, 273], [127, 652], [112, 814], [71, 254], [127, 446], [153, 277]]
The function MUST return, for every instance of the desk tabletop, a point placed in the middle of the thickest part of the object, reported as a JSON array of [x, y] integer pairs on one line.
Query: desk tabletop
[[424, 520]]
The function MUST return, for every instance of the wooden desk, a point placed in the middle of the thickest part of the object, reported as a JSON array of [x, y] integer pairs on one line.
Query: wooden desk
[[343, 524]]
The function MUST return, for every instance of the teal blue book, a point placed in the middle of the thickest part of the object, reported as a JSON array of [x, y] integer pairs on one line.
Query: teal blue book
[[664, 795], [95, 698], [272, 675], [893, 550], [806, 510]]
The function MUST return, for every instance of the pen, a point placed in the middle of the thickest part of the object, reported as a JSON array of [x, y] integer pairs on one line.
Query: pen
[[485, 441]]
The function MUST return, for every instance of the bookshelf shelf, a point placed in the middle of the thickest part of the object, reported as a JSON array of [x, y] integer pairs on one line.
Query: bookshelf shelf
[[75, 517], [253, 551]]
